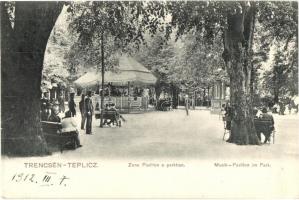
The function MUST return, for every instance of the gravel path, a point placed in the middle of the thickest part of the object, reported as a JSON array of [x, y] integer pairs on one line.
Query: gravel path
[[172, 134]]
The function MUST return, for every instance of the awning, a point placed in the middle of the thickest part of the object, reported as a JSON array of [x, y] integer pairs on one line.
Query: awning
[[129, 70]]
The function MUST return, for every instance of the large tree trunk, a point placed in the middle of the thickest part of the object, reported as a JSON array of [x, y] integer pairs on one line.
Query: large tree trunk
[[158, 89], [22, 63], [276, 86], [174, 94], [103, 81], [237, 55]]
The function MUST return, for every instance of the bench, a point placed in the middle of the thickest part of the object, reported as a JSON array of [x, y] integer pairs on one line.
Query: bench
[[54, 136], [164, 105], [111, 115], [265, 127]]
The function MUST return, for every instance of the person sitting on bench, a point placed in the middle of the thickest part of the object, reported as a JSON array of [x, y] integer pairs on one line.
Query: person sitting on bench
[[228, 115], [44, 115], [69, 125], [118, 115], [107, 107], [54, 114], [256, 117], [267, 117]]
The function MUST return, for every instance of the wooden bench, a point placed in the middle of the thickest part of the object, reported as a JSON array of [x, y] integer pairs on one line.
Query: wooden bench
[[111, 115], [164, 105], [264, 126], [54, 136]]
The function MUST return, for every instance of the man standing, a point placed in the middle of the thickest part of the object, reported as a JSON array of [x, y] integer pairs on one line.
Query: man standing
[[281, 107], [88, 112], [72, 104], [187, 104], [82, 110]]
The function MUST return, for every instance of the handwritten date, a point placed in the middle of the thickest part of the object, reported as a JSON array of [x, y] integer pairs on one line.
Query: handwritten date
[[46, 179]]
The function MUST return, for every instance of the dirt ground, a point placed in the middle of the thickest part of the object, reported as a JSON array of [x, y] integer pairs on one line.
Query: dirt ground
[[192, 145], [172, 134]]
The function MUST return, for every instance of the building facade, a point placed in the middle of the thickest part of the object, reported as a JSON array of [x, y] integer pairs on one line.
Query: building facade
[[220, 96]]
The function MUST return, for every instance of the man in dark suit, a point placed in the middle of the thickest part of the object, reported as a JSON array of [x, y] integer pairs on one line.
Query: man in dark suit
[[45, 107], [72, 104], [268, 117], [82, 111], [88, 112]]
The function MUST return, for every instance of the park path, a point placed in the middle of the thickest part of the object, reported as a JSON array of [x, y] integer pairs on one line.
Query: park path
[[194, 141], [172, 134]]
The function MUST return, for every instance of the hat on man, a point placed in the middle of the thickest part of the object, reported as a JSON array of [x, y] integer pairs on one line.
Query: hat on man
[[264, 110]]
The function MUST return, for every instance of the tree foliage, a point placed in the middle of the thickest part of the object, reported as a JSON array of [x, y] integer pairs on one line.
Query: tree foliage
[[280, 25], [280, 19], [281, 80], [55, 65], [159, 57], [201, 61], [122, 24]]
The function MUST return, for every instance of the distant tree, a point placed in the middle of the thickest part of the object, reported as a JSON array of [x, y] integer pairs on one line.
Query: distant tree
[[81, 58], [159, 57], [189, 62], [101, 24], [201, 60], [281, 80], [282, 31], [55, 65], [237, 22]]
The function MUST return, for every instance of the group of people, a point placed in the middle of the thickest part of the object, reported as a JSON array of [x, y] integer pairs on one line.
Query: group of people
[[47, 104], [111, 107], [112, 90], [280, 108], [68, 125], [86, 110], [51, 111]]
